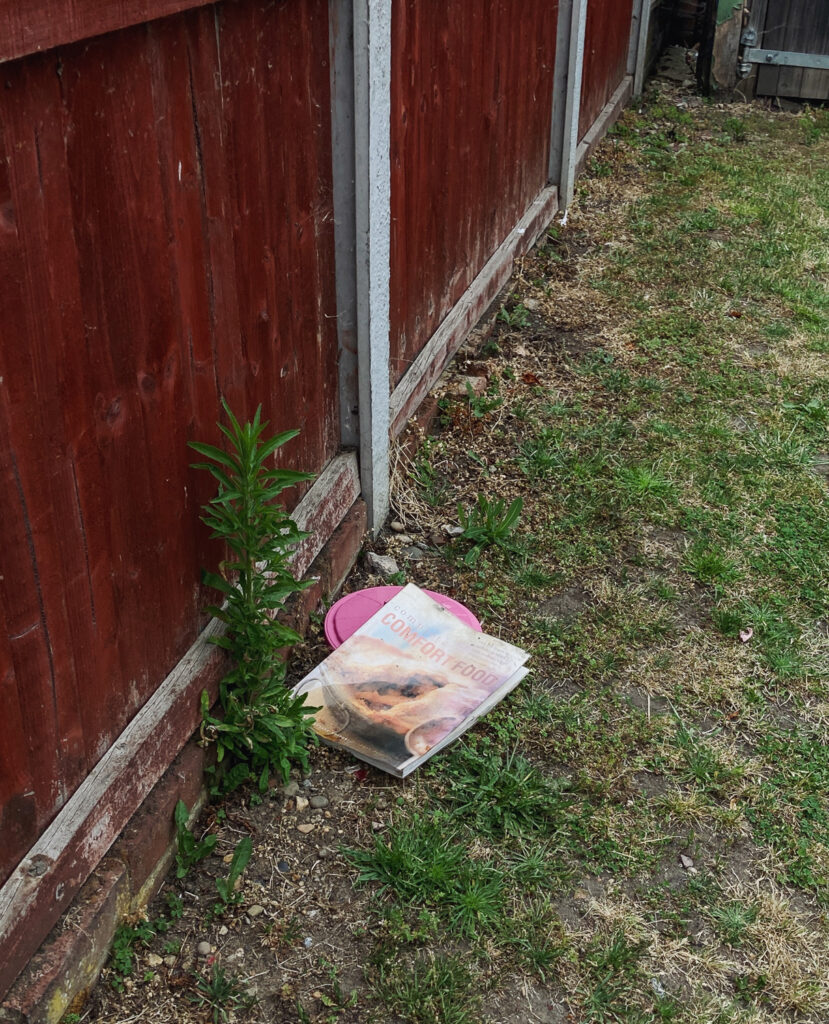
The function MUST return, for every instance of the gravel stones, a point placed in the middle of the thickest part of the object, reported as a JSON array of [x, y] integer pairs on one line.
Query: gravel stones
[[319, 801]]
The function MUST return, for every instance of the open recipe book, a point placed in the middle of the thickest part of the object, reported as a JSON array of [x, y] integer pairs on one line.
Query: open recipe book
[[408, 682]]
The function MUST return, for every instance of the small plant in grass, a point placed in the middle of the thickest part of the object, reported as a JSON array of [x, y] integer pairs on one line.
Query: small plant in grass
[[220, 994], [336, 1001], [189, 849], [431, 483], [515, 314], [175, 906], [711, 565], [261, 725], [226, 887], [703, 763], [732, 919], [487, 524], [122, 953], [481, 405], [430, 990], [424, 860], [503, 794]]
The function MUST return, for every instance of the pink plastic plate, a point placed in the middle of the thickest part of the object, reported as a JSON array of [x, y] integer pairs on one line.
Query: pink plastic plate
[[350, 612]]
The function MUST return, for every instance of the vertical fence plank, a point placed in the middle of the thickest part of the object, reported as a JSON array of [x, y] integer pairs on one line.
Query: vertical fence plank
[[372, 129], [341, 58]]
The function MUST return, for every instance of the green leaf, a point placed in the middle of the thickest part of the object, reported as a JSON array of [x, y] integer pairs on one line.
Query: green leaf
[[180, 815], [212, 579]]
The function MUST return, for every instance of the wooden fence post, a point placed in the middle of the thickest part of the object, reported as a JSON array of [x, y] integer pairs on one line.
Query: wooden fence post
[[341, 63], [564, 131], [372, 166]]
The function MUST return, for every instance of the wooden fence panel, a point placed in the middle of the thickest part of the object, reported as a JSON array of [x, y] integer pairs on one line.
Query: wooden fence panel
[[472, 88], [166, 236], [606, 41]]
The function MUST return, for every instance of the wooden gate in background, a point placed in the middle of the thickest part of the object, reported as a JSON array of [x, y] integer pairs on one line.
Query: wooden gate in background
[[788, 40]]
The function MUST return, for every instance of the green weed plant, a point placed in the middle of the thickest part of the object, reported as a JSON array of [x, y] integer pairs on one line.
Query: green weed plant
[[260, 726], [488, 524], [226, 887], [189, 850]]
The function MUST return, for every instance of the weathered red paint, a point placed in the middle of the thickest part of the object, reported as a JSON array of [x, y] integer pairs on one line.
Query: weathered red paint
[[472, 88], [34, 25], [606, 42], [44, 884], [166, 236], [444, 343]]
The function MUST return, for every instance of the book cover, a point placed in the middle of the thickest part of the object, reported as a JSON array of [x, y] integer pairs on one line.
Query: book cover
[[408, 682]]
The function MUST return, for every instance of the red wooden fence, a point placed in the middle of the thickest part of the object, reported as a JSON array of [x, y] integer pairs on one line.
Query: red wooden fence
[[166, 236], [606, 41], [472, 88]]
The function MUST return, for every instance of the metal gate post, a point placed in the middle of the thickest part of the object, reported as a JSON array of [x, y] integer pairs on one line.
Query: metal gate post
[[564, 130]]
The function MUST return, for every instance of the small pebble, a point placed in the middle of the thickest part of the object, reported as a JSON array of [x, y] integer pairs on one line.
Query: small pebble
[[686, 862], [377, 825], [255, 910], [414, 554], [318, 802], [291, 789], [223, 930], [397, 526], [476, 384], [308, 942], [170, 961], [204, 949], [324, 852], [383, 565], [228, 857], [154, 960], [452, 531], [302, 803], [305, 829], [283, 866]]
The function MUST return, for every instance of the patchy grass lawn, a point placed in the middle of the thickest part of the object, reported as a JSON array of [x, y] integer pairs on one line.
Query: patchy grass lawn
[[640, 832]]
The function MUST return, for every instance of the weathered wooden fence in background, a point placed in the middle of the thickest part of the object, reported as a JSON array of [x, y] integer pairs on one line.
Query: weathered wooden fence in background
[[302, 203]]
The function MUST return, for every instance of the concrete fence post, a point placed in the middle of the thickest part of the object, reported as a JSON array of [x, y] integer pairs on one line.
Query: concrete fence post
[[372, 135], [360, 52], [564, 131]]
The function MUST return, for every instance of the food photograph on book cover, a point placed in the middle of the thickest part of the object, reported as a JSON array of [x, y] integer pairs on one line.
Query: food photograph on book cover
[[408, 679]]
